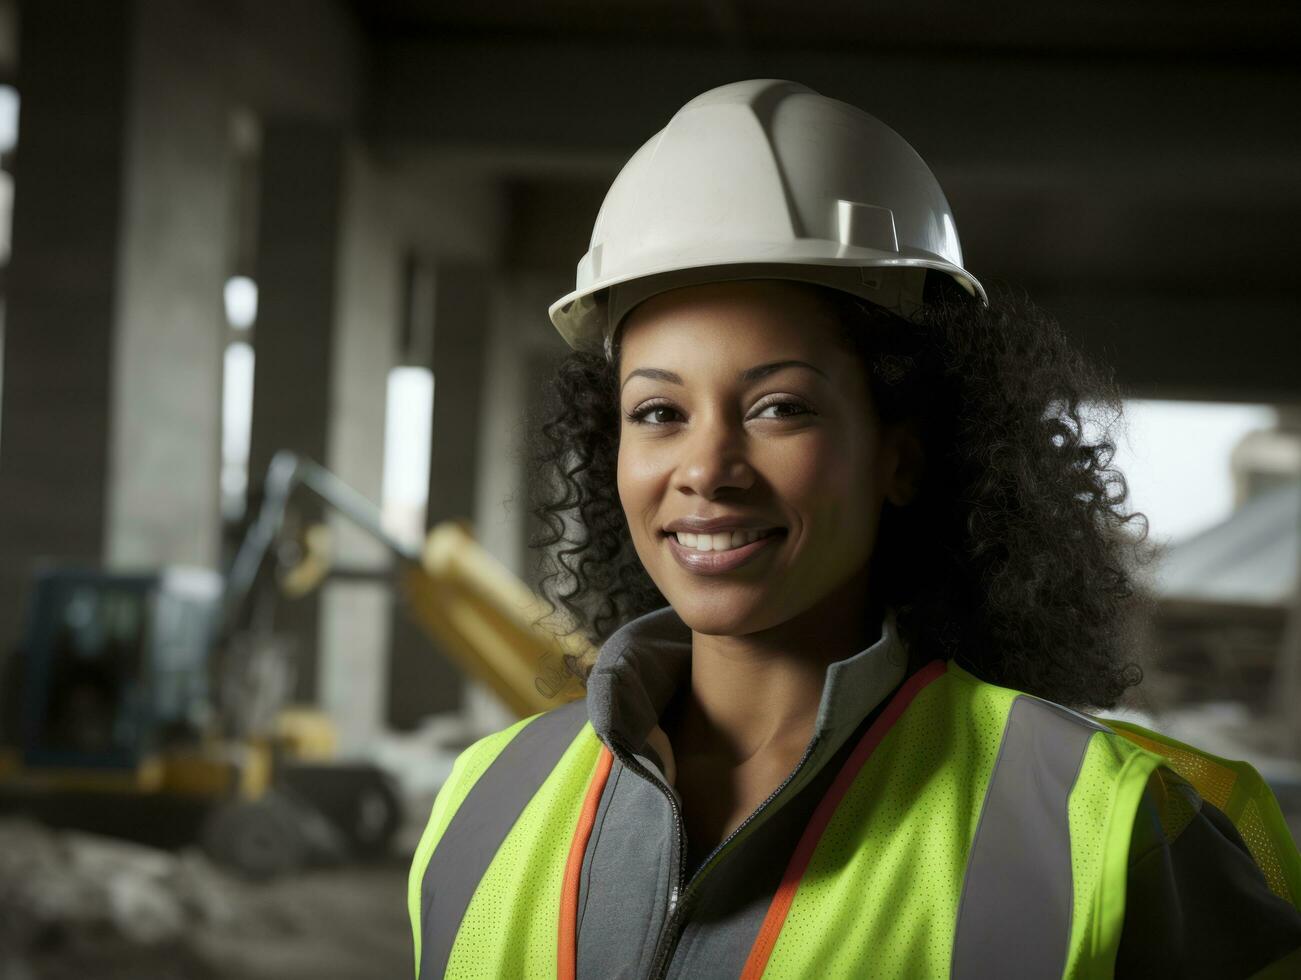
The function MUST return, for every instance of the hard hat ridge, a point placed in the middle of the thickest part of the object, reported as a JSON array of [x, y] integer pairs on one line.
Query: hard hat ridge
[[764, 178]]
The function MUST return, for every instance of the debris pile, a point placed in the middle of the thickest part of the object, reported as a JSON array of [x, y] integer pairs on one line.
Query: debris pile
[[78, 905]]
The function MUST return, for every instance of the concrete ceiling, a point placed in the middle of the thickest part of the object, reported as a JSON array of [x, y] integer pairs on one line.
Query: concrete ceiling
[[1134, 166], [1164, 29]]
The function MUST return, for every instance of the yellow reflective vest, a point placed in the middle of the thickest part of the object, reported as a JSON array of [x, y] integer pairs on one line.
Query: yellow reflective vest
[[955, 829]]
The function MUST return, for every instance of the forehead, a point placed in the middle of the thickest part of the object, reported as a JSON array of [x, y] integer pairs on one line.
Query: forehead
[[727, 319]]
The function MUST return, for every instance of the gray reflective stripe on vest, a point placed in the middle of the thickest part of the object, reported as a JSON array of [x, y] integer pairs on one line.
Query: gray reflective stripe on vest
[[1014, 917], [480, 825]]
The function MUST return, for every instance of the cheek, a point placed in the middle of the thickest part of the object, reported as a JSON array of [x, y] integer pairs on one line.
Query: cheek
[[623, 483], [832, 479], [823, 465], [637, 478]]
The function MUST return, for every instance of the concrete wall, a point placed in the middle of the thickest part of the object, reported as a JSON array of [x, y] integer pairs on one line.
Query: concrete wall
[[62, 294], [114, 328]]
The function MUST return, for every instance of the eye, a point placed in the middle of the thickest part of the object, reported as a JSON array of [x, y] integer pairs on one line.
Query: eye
[[638, 415], [797, 408]]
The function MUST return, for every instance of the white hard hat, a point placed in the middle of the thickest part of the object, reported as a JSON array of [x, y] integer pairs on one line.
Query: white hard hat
[[764, 179]]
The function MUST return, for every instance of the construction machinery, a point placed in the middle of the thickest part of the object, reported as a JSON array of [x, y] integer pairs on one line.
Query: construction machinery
[[157, 705]]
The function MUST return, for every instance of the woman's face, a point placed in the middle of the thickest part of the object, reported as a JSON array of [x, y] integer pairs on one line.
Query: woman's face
[[719, 422]]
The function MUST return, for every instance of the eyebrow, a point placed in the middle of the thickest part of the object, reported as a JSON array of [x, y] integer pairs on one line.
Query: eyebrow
[[749, 374]]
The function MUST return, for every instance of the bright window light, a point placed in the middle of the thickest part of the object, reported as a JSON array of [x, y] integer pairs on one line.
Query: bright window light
[[1175, 456], [408, 433], [241, 302], [8, 118], [236, 427]]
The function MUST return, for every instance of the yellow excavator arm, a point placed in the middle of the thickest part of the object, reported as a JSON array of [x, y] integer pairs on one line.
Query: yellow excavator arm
[[470, 605], [483, 616]]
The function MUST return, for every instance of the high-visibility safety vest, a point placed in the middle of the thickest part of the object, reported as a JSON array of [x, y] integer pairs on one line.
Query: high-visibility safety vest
[[966, 830]]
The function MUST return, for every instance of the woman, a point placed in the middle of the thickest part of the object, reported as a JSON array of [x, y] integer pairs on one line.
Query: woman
[[852, 559]]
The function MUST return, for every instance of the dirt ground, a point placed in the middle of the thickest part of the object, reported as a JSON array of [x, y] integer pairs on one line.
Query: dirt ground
[[78, 907], [341, 923]]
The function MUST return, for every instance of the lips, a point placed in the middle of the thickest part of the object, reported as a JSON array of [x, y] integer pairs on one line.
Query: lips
[[718, 562], [721, 522]]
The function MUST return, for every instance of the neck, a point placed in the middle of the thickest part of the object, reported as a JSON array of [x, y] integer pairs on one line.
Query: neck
[[760, 692]]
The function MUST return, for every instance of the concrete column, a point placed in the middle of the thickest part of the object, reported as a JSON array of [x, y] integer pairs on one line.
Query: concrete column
[[423, 681], [165, 463], [62, 286], [109, 449], [355, 612], [300, 198]]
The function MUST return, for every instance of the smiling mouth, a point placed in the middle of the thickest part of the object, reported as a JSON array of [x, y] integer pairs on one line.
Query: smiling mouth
[[721, 540]]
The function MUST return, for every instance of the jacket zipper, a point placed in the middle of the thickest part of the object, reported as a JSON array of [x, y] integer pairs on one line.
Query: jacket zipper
[[629, 761], [667, 939]]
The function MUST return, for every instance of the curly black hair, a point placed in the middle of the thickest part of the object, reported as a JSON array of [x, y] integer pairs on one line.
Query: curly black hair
[[1013, 559]]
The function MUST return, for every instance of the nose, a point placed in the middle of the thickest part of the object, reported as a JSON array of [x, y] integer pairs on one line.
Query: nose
[[714, 457]]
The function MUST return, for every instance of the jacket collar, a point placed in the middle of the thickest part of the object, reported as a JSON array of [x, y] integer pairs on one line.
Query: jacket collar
[[641, 664]]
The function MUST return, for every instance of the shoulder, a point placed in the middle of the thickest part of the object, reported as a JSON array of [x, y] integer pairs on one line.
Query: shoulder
[[491, 781], [526, 743], [1207, 890], [504, 762], [1053, 733], [1197, 903]]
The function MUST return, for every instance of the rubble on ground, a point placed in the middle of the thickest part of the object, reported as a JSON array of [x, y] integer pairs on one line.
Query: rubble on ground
[[75, 904]]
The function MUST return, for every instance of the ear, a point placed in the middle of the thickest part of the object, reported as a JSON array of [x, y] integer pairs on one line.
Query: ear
[[905, 481]]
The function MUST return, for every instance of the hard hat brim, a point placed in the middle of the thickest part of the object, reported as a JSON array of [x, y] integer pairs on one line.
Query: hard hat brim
[[582, 316]]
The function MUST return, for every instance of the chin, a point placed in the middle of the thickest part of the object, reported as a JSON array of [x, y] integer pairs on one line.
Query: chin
[[721, 615]]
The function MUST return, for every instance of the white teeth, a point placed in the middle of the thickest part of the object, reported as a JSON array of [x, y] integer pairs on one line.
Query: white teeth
[[722, 541]]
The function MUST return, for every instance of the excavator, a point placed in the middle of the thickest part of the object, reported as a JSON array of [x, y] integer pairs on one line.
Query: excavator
[[156, 705]]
